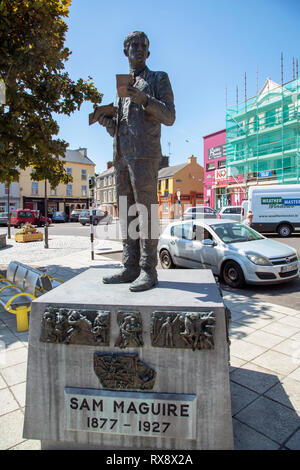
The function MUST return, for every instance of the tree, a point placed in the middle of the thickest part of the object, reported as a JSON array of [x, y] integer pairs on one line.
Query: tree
[[32, 66]]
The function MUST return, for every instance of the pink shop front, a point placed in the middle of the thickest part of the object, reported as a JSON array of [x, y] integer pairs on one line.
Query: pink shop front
[[219, 188]]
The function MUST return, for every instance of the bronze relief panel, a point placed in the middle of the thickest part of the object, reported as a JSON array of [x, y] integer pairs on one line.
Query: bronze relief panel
[[190, 330], [131, 330], [75, 326]]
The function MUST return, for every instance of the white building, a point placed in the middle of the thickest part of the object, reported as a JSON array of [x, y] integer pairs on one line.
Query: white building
[[14, 196]]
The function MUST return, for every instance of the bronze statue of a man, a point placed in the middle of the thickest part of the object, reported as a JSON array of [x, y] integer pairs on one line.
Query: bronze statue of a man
[[137, 153]]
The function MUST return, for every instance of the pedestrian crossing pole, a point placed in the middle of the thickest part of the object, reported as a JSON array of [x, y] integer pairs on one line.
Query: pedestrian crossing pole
[[92, 236]]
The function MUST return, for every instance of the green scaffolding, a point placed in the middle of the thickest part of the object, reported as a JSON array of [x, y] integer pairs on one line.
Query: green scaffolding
[[263, 135]]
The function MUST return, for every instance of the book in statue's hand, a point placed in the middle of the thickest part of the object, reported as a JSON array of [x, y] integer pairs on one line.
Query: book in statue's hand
[[108, 110], [123, 81]]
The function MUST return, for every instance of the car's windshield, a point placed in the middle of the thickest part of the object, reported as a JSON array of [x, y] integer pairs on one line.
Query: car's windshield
[[235, 233]]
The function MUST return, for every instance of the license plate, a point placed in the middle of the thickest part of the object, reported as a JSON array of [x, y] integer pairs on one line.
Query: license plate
[[290, 267]]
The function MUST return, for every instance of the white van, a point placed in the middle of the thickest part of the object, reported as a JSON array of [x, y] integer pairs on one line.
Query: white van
[[275, 208], [244, 210]]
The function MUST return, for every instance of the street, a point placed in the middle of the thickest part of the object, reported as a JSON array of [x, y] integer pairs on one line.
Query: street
[[285, 294]]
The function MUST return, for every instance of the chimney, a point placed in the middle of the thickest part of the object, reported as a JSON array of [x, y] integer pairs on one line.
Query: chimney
[[192, 159], [109, 165], [164, 162], [83, 151]]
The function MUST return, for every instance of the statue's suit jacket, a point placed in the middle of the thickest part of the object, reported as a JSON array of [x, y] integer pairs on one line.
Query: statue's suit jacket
[[138, 128]]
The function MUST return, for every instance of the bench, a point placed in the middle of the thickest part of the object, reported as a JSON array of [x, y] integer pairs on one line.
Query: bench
[[21, 285]]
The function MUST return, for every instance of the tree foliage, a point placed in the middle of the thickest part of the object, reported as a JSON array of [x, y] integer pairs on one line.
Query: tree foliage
[[32, 65]]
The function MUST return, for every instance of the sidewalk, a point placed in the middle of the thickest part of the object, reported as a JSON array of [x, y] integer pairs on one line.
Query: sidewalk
[[265, 356]]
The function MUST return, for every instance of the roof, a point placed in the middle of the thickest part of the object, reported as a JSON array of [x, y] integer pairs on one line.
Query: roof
[[77, 156], [170, 170], [107, 172], [214, 133]]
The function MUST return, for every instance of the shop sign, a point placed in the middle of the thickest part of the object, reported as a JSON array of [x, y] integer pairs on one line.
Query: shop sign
[[217, 152], [264, 174], [220, 174]]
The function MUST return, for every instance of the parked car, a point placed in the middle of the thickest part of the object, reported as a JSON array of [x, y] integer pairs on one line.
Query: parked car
[[233, 251], [199, 212], [20, 217], [40, 219], [3, 218], [75, 215], [98, 215], [59, 216], [230, 212]]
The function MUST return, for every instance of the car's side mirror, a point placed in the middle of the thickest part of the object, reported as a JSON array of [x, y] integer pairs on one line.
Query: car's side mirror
[[208, 242]]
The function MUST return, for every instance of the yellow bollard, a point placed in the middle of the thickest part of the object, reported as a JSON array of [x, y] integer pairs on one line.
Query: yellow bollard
[[22, 318], [21, 312]]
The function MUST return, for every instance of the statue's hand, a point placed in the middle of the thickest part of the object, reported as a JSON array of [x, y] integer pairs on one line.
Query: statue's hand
[[109, 123], [137, 96]]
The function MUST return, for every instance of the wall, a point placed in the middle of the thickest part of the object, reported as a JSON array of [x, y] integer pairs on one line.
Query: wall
[[219, 191]]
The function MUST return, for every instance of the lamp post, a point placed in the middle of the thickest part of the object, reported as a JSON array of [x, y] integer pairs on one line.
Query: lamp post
[[46, 218], [8, 211]]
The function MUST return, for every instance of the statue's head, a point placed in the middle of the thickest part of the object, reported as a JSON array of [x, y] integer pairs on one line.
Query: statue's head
[[136, 48]]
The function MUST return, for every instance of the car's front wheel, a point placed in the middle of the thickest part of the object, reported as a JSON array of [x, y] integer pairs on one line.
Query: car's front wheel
[[233, 274], [166, 260]]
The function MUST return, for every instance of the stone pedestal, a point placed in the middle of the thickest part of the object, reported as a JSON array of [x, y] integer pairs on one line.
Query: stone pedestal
[[144, 370]]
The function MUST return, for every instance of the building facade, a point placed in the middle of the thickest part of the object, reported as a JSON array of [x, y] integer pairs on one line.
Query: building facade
[[263, 136], [220, 189], [179, 187], [10, 194], [105, 191], [65, 197]]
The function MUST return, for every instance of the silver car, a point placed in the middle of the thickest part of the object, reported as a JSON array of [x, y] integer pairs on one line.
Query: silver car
[[230, 212], [199, 212], [233, 251]]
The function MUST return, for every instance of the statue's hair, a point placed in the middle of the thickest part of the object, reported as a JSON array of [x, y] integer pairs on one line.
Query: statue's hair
[[132, 35]]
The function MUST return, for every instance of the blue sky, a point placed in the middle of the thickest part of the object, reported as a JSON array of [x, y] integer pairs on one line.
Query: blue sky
[[204, 46]]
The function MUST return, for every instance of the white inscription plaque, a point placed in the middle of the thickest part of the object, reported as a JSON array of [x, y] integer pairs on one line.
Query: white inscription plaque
[[131, 413]]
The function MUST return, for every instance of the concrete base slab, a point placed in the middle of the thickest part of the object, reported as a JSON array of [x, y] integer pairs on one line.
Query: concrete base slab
[[196, 382]]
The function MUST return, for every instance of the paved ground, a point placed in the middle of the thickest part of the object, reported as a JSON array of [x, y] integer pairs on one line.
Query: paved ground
[[265, 356]]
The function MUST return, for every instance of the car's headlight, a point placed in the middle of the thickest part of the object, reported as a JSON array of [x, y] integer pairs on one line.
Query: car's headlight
[[258, 259], [297, 254]]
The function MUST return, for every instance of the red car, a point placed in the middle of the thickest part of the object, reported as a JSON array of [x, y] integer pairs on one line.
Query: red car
[[20, 217]]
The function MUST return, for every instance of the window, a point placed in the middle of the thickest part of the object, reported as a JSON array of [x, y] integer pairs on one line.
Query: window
[[69, 171], [83, 190], [34, 188], [210, 166], [159, 185], [221, 163], [200, 233], [83, 174], [53, 191], [109, 181], [166, 184], [69, 190], [270, 118], [105, 181], [6, 188], [182, 231]]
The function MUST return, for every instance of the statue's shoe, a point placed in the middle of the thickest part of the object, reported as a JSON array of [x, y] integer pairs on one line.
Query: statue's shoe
[[123, 276], [145, 281]]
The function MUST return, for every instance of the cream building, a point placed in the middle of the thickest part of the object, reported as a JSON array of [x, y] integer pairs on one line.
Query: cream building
[[65, 197]]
